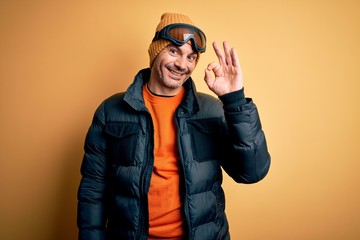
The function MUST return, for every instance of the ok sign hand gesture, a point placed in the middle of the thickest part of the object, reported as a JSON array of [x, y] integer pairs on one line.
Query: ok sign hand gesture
[[227, 75]]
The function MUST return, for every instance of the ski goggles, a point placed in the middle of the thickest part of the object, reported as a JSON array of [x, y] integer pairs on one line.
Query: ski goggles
[[180, 33]]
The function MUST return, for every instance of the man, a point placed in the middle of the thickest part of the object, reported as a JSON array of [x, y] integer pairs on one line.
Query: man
[[153, 154]]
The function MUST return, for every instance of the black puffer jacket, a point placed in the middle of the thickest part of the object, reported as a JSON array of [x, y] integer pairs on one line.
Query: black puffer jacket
[[118, 162]]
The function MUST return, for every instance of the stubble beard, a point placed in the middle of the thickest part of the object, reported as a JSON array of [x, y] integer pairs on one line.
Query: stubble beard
[[173, 83]]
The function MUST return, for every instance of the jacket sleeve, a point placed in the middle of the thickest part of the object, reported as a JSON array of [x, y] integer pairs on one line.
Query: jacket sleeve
[[91, 212], [249, 159]]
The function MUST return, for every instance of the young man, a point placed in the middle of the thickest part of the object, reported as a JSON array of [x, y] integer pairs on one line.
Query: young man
[[153, 154]]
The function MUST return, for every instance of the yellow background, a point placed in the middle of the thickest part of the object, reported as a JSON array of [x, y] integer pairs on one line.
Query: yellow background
[[301, 64]]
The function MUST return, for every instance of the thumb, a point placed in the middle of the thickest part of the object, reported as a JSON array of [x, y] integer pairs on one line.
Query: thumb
[[209, 80]]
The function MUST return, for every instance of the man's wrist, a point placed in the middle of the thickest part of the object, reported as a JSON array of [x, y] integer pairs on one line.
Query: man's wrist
[[233, 99]]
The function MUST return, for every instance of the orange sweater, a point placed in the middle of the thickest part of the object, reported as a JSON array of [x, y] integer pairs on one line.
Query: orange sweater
[[165, 215]]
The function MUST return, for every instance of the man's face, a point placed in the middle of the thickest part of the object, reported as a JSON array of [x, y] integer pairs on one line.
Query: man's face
[[171, 68]]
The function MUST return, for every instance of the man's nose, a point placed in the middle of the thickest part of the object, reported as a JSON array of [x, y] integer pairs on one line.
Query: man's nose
[[180, 62]]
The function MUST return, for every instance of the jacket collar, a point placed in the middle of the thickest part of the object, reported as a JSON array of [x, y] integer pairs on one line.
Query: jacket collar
[[134, 96]]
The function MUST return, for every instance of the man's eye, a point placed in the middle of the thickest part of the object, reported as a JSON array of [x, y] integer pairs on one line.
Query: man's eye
[[192, 58], [172, 50]]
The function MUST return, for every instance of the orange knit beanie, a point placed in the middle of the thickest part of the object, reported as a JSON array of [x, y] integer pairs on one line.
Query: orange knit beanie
[[166, 19]]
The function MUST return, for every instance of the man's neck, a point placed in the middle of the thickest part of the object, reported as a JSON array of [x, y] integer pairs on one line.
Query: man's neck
[[161, 91]]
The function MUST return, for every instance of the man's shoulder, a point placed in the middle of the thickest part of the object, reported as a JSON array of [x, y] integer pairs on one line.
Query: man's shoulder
[[111, 102], [205, 98], [115, 97]]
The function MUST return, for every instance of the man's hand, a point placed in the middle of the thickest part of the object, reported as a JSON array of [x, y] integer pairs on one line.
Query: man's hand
[[228, 75]]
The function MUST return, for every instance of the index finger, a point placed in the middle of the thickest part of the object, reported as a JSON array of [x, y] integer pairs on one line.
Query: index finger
[[219, 53]]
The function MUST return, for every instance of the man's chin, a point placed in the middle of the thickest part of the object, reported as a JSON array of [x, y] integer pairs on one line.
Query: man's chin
[[173, 83], [174, 78]]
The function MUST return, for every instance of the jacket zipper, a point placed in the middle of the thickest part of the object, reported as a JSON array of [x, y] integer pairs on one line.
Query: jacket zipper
[[186, 205]]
